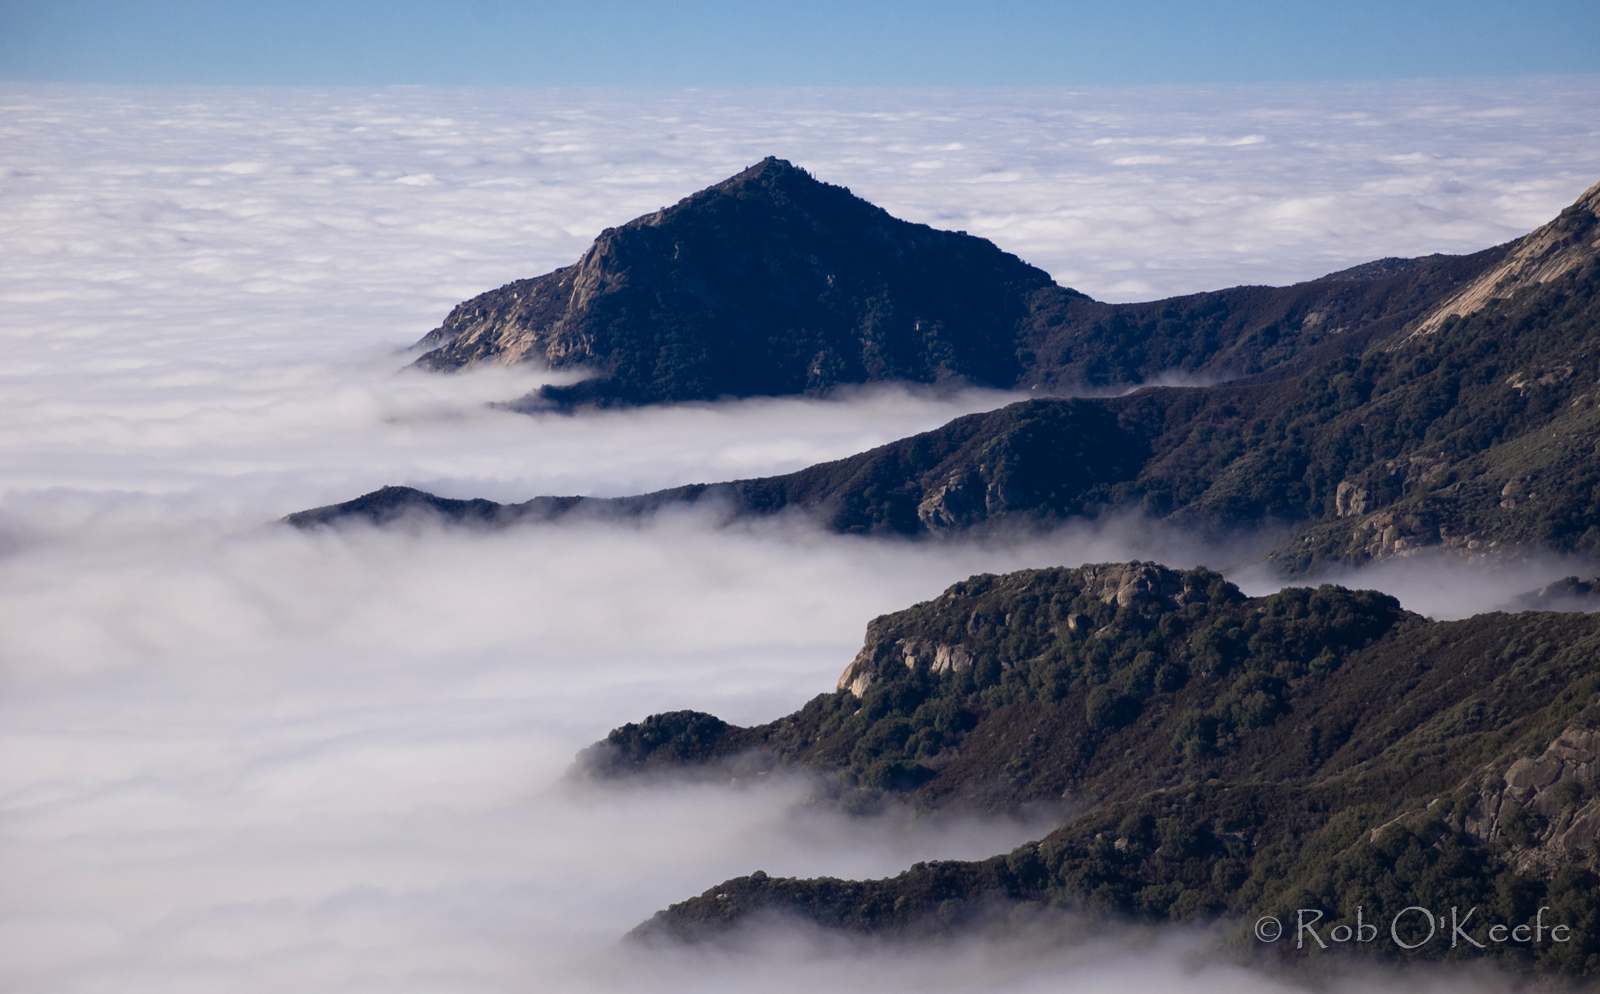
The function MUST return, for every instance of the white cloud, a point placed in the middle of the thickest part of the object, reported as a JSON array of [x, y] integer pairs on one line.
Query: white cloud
[[237, 757]]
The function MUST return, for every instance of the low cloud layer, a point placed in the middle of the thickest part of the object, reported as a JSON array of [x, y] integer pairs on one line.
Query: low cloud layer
[[330, 761], [238, 757], [340, 753]]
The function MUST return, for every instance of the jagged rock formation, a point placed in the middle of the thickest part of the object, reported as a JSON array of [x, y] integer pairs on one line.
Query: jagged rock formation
[[1545, 805], [1229, 756], [772, 282], [1130, 585]]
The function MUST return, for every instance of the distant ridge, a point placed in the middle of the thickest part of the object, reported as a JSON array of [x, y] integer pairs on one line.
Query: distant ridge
[[773, 282], [1368, 438], [943, 481]]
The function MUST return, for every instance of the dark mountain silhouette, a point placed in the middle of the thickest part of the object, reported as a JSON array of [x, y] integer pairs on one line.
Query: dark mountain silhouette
[[772, 283], [1232, 757], [1471, 427], [1030, 461], [769, 282]]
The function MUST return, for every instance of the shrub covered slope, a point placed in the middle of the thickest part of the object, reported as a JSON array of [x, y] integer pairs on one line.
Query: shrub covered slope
[[1232, 756]]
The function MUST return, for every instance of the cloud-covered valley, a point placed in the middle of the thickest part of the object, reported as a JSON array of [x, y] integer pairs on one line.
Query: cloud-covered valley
[[238, 757]]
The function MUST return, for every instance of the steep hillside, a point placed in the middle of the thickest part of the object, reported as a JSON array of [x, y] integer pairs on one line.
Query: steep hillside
[[1570, 241], [1234, 757], [769, 282], [1474, 434], [772, 282]]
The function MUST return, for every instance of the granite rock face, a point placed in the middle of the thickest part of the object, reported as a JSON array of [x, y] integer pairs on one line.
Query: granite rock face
[[1543, 806], [1551, 251]]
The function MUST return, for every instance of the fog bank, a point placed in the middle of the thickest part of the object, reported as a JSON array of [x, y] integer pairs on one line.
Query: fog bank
[[234, 756]]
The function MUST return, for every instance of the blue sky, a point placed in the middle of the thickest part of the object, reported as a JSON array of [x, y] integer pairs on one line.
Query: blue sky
[[717, 43]]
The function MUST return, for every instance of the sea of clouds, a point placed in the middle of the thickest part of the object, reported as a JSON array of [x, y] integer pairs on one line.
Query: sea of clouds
[[238, 757]]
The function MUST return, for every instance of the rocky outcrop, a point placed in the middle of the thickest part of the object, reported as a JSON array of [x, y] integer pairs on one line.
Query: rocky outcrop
[[1137, 585], [928, 656], [1131, 586], [960, 501], [1544, 806], [1389, 534], [1548, 253]]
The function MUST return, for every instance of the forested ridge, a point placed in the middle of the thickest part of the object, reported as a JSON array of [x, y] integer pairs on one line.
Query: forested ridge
[[1232, 756]]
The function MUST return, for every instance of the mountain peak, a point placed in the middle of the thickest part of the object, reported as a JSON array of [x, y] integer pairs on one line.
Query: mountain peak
[[769, 170], [770, 282], [773, 173], [776, 185]]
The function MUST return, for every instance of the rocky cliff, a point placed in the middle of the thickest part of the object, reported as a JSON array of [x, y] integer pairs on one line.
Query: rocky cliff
[[1570, 241]]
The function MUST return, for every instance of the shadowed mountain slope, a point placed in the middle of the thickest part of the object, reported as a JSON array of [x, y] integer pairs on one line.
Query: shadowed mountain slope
[[1477, 437], [773, 283], [1233, 756], [769, 282], [1036, 461]]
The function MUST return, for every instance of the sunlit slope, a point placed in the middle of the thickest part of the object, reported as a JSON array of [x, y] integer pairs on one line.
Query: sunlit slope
[[1316, 748]]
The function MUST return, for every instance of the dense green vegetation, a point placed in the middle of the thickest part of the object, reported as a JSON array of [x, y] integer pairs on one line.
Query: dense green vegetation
[[1482, 432], [1316, 748]]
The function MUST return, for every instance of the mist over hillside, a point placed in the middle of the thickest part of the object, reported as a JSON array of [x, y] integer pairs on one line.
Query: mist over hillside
[[1373, 416], [238, 756]]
